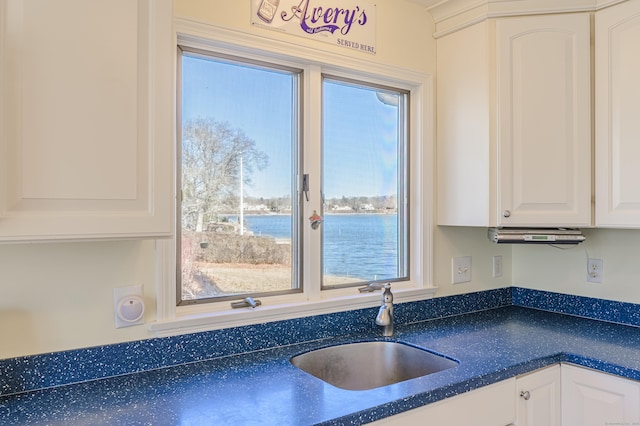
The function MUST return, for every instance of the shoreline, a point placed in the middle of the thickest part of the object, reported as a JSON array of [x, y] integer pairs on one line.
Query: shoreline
[[329, 213]]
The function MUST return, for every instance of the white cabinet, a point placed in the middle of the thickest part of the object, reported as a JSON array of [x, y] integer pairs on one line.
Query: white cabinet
[[590, 398], [574, 396], [488, 406], [530, 400], [514, 122], [86, 119], [559, 395], [539, 398], [617, 128], [544, 120]]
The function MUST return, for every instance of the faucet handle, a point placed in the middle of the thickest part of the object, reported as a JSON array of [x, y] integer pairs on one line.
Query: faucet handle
[[384, 316]]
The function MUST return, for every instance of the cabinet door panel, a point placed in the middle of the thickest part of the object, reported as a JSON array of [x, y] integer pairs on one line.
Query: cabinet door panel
[[539, 396], [544, 120], [488, 406], [464, 157], [79, 99], [86, 119], [594, 399], [617, 33]]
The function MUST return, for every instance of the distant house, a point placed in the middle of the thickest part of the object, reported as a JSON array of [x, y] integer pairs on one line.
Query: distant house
[[256, 207], [341, 208]]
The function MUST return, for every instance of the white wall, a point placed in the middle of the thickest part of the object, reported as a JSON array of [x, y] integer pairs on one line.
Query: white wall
[[544, 267], [565, 271], [403, 35], [461, 241], [56, 296]]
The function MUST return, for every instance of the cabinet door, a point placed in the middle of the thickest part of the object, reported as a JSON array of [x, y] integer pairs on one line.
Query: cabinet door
[[544, 116], [488, 406], [539, 402], [86, 119], [590, 398], [465, 195], [617, 128]]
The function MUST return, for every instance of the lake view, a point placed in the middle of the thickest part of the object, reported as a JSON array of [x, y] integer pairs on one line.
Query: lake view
[[354, 245]]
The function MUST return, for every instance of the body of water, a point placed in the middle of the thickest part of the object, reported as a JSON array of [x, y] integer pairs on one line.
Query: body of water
[[362, 246]]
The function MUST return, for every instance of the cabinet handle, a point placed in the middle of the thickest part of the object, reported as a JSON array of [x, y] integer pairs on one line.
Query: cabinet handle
[[525, 394], [506, 213]]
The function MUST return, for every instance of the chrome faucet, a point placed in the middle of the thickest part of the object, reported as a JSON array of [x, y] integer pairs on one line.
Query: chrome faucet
[[385, 313]]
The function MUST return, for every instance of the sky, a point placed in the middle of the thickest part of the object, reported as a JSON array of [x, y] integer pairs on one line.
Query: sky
[[359, 131]]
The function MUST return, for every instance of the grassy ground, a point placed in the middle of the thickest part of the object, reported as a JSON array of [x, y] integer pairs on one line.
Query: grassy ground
[[218, 279]]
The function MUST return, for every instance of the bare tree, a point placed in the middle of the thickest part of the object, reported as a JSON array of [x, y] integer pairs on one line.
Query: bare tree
[[211, 153]]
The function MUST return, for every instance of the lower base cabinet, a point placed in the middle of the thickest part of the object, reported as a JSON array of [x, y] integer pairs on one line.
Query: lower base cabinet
[[590, 398], [539, 398], [559, 395], [481, 407]]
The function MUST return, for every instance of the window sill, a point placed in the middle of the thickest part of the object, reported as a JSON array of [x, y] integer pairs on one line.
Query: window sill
[[197, 322]]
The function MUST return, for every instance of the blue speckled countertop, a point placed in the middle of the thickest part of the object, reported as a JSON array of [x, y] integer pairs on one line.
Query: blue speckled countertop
[[262, 387]]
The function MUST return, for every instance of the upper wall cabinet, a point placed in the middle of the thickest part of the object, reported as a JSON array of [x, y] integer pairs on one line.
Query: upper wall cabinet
[[86, 119], [514, 128], [617, 125]]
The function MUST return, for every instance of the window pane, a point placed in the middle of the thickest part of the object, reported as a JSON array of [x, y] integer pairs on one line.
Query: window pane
[[363, 172], [237, 156]]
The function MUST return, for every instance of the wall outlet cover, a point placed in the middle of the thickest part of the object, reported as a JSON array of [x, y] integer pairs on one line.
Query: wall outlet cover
[[594, 270]]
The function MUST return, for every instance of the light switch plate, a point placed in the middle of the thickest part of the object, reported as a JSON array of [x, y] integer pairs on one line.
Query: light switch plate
[[497, 266], [460, 269]]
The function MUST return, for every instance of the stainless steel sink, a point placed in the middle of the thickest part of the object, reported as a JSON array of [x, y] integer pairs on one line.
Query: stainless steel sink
[[368, 365]]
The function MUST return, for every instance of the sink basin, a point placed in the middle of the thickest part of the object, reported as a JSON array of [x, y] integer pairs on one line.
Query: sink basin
[[368, 365]]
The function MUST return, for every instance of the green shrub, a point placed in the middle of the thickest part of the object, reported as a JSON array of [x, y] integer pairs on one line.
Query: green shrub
[[219, 247]]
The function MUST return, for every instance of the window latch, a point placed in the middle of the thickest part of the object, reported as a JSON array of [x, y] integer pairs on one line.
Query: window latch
[[248, 302], [305, 186]]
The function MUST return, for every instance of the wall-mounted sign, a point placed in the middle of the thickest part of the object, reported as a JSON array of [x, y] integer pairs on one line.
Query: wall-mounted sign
[[347, 23]]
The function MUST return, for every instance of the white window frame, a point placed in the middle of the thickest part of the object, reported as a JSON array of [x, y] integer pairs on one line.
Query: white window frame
[[172, 319]]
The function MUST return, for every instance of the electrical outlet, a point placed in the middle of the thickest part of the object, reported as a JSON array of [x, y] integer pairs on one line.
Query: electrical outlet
[[594, 270], [497, 266], [460, 270]]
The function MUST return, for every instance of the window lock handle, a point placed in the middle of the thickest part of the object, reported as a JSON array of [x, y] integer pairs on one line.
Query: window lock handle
[[248, 302], [305, 186]]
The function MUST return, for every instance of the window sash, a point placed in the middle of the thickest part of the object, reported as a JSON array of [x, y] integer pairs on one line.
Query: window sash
[[402, 163], [295, 194]]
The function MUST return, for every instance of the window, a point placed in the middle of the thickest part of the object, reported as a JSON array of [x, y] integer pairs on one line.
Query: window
[[239, 216], [364, 183], [325, 186], [240, 233]]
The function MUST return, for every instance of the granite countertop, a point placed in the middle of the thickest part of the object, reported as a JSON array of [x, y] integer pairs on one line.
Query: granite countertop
[[262, 387]]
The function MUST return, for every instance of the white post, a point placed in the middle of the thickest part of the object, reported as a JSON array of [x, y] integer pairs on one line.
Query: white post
[[241, 199]]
